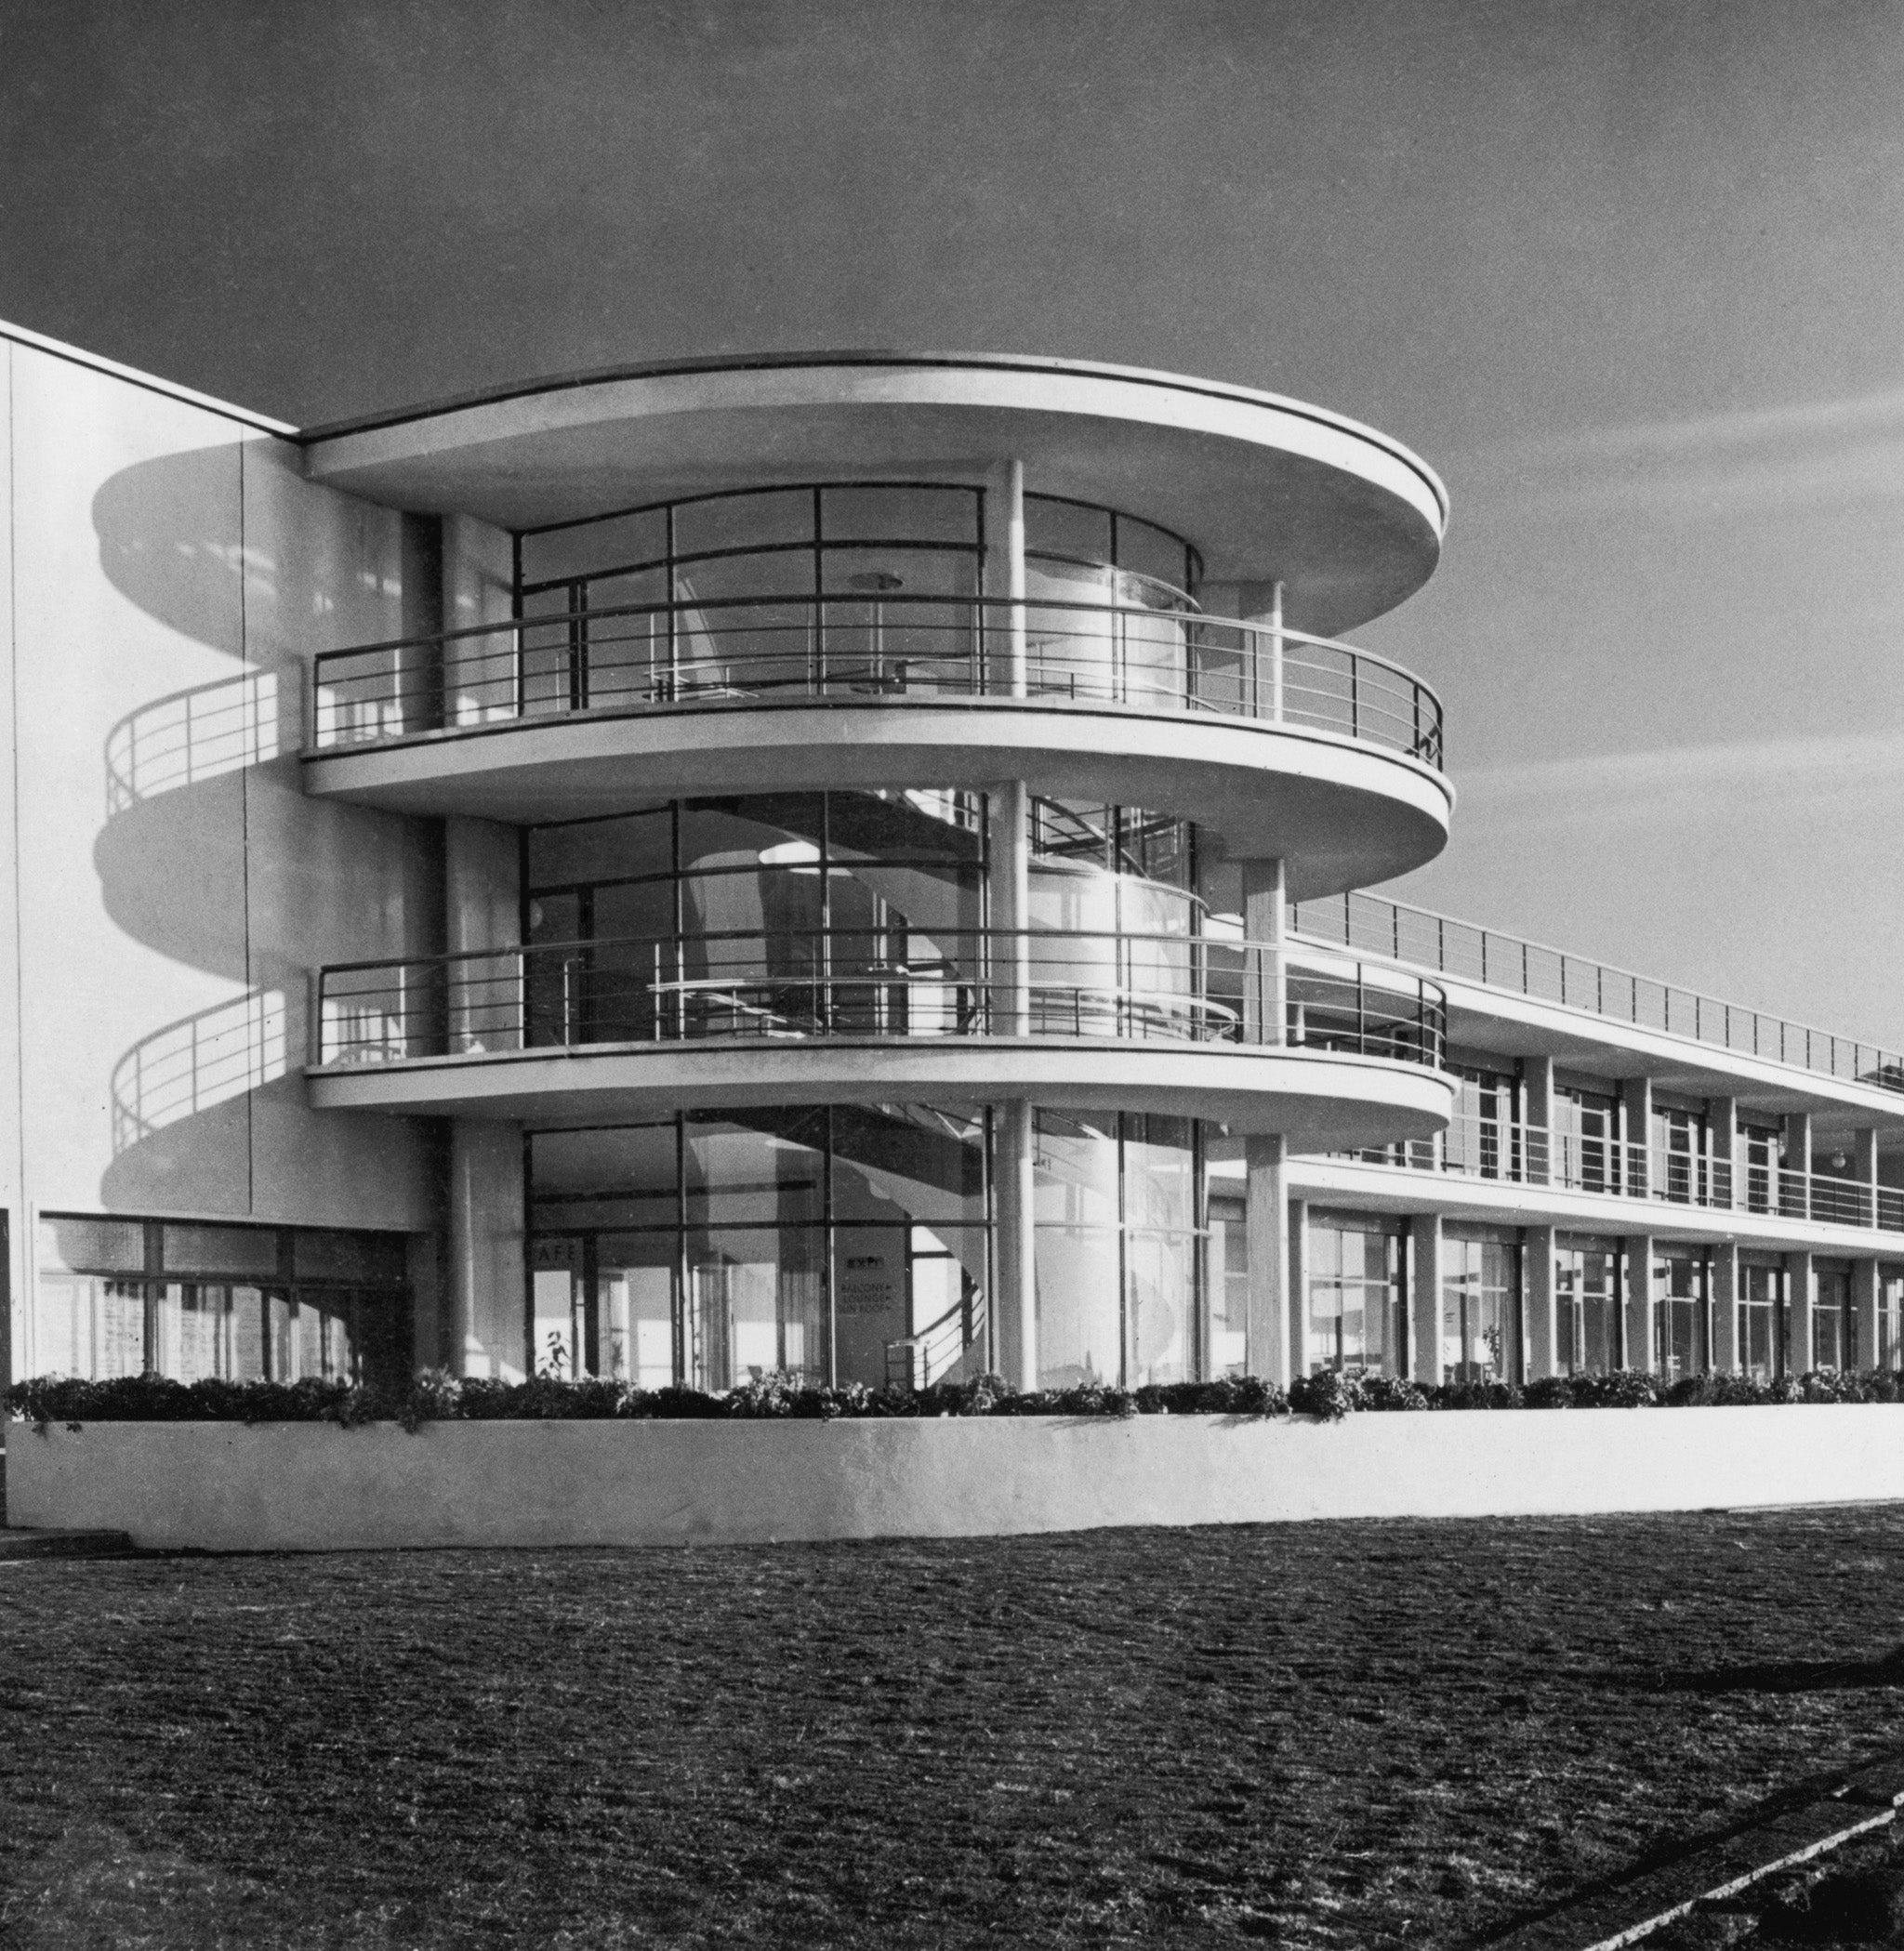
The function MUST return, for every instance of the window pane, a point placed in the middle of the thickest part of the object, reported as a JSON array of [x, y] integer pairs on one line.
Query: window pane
[[374, 1259], [1064, 528], [756, 1304], [881, 514], [616, 542], [93, 1245], [906, 1163], [773, 515], [634, 1299], [221, 1250], [760, 1168], [1079, 1333], [588, 850]]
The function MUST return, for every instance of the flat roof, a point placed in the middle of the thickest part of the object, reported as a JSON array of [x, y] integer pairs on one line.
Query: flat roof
[[1268, 489]]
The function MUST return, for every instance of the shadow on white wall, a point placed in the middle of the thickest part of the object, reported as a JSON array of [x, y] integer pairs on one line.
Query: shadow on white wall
[[193, 735], [200, 1061]]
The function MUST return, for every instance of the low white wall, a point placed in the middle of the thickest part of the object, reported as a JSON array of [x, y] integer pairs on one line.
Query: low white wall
[[312, 1486]]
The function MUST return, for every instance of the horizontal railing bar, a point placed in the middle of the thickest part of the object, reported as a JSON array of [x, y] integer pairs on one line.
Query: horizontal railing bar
[[1503, 965]]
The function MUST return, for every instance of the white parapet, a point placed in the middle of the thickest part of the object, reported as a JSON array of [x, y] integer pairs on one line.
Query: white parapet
[[316, 1487]]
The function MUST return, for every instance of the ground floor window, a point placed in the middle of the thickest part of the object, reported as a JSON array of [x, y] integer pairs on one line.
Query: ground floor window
[[1830, 1314], [1586, 1295], [1889, 1349], [854, 1244], [1481, 1305], [1762, 1296], [1354, 1306], [1682, 1291], [1228, 1262], [239, 1303]]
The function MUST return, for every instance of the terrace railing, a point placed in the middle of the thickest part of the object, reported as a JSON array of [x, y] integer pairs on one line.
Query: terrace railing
[[1368, 925], [779, 648], [854, 985], [1529, 1154]]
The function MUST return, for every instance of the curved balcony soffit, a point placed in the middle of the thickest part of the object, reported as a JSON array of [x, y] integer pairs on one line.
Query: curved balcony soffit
[[1268, 488], [1318, 1100], [1344, 813]]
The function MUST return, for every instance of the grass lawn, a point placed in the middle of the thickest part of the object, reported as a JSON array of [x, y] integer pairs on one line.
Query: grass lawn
[[1343, 1734]]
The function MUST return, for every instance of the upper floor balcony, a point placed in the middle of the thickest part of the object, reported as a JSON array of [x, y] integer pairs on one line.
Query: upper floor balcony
[[1328, 1050], [1572, 1175], [1514, 996], [1274, 741]]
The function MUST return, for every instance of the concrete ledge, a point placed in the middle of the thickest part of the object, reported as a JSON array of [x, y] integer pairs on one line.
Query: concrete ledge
[[314, 1486]]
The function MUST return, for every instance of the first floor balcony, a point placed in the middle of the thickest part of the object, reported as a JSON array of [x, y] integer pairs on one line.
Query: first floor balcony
[[1280, 744], [1532, 1161], [1172, 1023]]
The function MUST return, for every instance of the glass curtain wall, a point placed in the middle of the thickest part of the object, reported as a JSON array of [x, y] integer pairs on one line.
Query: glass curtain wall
[[796, 913], [235, 1303], [1682, 1305], [1355, 1314], [1587, 1304], [846, 1243], [1481, 1305], [853, 585]]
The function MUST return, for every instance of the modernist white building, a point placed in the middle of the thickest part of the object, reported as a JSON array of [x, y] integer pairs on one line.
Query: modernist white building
[[844, 864]]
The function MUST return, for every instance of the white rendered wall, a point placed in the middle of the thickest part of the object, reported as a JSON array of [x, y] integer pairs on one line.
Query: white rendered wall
[[170, 575], [314, 1487]]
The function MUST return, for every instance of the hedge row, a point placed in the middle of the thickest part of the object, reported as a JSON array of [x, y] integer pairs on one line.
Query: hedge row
[[436, 1397]]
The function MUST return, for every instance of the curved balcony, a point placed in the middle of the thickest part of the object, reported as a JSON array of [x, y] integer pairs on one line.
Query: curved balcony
[[1275, 742], [574, 1031]]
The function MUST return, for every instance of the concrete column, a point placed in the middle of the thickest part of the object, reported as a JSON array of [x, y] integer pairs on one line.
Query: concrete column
[[488, 1286], [1794, 1200], [482, 911], [1267, 981], [1269, 1351], [1864, 1167], [1724, 1266], [1721, 1135], [1006, 670], [1537, 1109], [1262, 604], [1636, 1103], [1864, 1314], [1016, 1311], [1798, 1278], [1543, 1335], [1638, 1352], [478, 583], [1424, 1300], [1009, 891]]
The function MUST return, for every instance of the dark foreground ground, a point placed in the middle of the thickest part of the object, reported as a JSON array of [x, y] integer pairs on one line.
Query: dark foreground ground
[[1354, 1735]]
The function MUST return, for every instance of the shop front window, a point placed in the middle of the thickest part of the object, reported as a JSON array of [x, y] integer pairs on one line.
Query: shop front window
[[845, 1243], [1889, 1352], [200, 1302]]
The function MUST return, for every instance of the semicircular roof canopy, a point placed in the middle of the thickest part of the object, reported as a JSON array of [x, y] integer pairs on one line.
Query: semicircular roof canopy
[[1268, 489]]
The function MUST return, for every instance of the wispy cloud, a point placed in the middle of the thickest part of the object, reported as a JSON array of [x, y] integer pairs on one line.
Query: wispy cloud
[[1821, 454], [1617, 787]]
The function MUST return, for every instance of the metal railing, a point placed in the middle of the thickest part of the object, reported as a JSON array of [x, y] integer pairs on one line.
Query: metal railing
[[1368, 925], [855, 983], [938, 1349], [1529, 1154], [770, 649]]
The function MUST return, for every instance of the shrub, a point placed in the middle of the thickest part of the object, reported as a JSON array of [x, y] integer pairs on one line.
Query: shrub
[[435, 1396]]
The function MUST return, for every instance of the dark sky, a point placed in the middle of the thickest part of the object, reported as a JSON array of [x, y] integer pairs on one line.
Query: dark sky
[[1630, 274]]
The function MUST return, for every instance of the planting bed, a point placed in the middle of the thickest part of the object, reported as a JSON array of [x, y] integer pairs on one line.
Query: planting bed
[[1358, 1734]]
